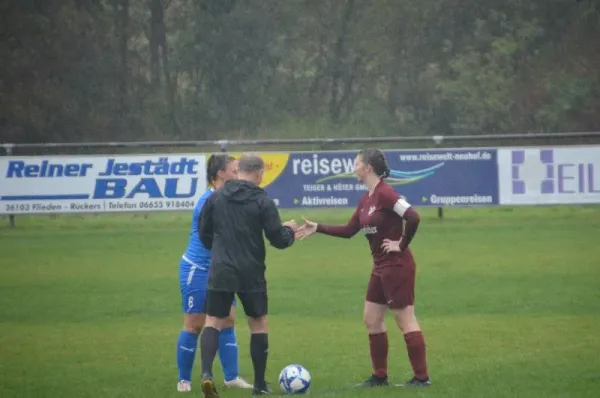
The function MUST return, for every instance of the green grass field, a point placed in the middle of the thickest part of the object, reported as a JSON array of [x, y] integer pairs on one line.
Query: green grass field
[[509, 300]]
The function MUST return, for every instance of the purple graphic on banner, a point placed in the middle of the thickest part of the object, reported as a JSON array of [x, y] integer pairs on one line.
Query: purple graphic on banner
[[426, 178], [531, 171]]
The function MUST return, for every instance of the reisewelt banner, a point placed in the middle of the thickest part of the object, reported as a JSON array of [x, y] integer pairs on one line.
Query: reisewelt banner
[[70, 184], [536, 176], [425, 178]]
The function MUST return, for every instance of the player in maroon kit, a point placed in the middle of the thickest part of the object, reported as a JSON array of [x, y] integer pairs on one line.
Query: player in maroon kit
[[389, 223]]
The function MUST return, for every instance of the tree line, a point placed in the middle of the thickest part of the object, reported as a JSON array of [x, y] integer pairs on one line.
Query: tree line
[[100, 70]]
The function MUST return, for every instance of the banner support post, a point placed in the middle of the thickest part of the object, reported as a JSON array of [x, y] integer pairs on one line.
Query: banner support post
[[11, 217], [437, 140]]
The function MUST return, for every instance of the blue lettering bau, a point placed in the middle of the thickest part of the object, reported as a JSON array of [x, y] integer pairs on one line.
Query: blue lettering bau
[[116, 188]]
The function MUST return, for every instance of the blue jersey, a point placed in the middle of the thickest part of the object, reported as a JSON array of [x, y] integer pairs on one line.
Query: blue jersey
[[196, 254]]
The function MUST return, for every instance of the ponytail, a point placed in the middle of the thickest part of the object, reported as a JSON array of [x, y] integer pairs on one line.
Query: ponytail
[[377, 160]]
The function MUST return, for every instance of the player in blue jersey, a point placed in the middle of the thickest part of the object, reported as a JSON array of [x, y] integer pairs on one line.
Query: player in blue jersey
[[193, 278]]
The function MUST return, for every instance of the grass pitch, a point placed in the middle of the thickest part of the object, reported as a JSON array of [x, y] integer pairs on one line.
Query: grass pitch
[[509, 301]]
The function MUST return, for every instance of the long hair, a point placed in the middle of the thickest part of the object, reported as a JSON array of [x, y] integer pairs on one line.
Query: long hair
[[216, 163], [377, 160]]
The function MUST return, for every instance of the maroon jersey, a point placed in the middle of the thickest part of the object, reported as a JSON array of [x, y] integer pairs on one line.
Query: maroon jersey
[[380, 216]]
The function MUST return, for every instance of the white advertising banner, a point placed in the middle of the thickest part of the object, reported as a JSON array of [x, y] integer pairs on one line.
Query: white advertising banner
[[89, 184], [565, 175]]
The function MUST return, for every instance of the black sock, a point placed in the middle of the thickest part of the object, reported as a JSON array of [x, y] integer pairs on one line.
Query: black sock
[[209, 344], [259, 349]]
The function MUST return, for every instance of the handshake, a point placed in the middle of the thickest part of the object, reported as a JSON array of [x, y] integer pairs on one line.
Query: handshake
[[303, 231]]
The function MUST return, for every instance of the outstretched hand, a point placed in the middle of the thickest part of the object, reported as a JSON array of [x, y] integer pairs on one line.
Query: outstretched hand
[[307, 229]]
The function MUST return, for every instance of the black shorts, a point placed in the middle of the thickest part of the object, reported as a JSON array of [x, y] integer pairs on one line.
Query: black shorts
[[218, 303]]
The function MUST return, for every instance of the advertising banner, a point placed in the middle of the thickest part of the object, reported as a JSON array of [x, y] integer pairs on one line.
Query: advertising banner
[[535, 176], [424, 177], [70, 184]]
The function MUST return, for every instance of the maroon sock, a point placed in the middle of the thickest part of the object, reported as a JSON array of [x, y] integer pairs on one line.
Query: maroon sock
[[378, 344], [415, 345]]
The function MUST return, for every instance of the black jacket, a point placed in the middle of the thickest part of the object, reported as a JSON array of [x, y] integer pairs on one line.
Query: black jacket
[[231, 223]]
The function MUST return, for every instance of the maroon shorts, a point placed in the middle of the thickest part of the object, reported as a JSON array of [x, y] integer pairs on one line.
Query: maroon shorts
[[393, 286]]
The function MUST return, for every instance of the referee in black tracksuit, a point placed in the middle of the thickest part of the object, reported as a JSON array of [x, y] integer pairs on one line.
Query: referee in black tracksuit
[[232, 223]]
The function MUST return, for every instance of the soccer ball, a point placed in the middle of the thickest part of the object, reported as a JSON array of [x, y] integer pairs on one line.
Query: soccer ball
[[294, 379]]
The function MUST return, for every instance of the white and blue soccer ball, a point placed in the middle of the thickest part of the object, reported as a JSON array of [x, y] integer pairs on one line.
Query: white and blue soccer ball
[[294, 379]]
